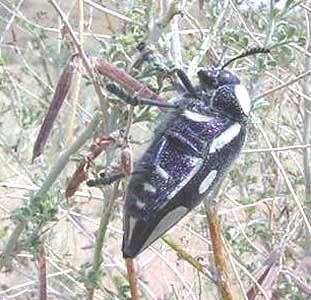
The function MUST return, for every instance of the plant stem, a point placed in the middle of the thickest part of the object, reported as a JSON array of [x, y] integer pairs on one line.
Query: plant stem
[[132, 277], [223, 282], [187, 257], [101, 233], [42, 273]]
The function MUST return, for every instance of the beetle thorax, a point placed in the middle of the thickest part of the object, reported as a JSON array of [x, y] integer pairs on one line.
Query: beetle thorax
[[230, 96]]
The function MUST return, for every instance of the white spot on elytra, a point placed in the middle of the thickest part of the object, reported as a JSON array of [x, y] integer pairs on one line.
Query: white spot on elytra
[[225, 138], [207, 182], [242, 95], [165, 224], [162, 173], [196, 163], [132, 223], [139, 204], [196, 117], [149, 188]]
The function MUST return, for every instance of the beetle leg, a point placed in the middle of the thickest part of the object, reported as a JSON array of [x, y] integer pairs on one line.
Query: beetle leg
[[111, 178], [185, 81], [106, 180], [133, 100]]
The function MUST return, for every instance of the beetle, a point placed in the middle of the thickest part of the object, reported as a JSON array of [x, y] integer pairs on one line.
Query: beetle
[[192, 150]]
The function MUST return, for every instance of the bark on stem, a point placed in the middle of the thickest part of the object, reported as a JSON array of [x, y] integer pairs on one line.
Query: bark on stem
[[221, 266], [132, 278]]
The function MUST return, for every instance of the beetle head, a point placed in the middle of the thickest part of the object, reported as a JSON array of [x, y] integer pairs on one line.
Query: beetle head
[[214, 78]]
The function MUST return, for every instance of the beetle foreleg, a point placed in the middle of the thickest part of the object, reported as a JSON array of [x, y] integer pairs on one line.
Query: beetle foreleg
[[185, 81], [114, 89]]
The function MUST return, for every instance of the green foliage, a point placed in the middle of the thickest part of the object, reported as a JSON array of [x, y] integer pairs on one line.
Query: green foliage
[[40, 210]]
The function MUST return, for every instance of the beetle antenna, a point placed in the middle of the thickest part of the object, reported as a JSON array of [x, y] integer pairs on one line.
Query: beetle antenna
[[249, 52]]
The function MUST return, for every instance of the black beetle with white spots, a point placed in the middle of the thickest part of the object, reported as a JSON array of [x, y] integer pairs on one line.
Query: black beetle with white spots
[[192, 150]]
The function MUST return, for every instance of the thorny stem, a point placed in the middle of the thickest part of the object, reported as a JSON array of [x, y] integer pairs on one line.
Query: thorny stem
[[223, 282], [57, 168], [101, 233]]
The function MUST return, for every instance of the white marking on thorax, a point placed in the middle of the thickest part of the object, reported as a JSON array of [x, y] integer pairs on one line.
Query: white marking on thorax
[[149, 188], [242, 95], [166, 222], [161, 172], [207, 182], [197, 163], [225, 138], [196, 117]]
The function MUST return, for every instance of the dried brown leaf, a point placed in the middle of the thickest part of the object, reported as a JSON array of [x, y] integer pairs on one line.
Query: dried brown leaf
[[81, 173], [127, 160], [61, 92], [123, 78]]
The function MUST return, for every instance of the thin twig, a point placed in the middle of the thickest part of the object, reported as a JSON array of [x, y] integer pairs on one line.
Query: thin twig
[[276, 149], [188, 258], [284, 85], [253, 279], [307, 125], [176, 272], [75, 89], [112, 13]]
